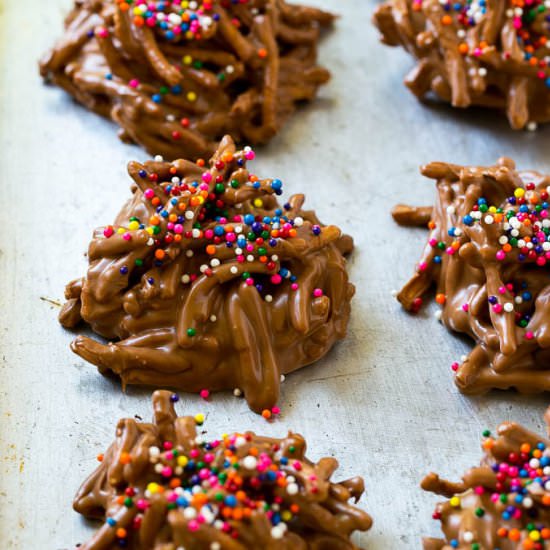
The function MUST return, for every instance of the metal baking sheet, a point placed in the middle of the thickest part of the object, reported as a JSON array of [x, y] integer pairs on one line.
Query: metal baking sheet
[[383, 401]]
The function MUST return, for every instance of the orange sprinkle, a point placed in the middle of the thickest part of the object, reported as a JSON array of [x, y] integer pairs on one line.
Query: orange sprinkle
[[266, 413], [514, 534], [446, 20], [211, 249], [463, 48], [121, 533], [440, 298], [262, 52], [100, 457], [125, 458], [159, 254], [525, 448]]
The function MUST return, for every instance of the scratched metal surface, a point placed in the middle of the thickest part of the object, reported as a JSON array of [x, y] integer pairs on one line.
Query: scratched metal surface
[[383, 401]]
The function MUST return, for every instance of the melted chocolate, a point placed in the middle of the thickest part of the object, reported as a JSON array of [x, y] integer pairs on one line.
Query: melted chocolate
[[162, 486], [207, 283], [504, 503], [488, 255], [475, 53], [177, 80]]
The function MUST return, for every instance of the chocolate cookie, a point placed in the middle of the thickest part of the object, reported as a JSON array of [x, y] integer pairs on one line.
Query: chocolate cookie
[[205, 282], [504, 503], [488, 255], [177, 76], [163, 486], [488, 53]]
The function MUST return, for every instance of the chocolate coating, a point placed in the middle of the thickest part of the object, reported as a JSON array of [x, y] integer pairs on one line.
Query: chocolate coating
[[504, 503], [250, 492], [475, 53], [205, 282], [177, 86], [487, 255]]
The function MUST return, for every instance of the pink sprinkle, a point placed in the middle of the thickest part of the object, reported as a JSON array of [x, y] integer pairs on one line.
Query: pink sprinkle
[[497, 308], [178, 228], [502, 290], [108, 232], [276, 279], [250, 155], [193, 525], [422, 266], [127, 236], [529, 335], [455, 366], [275, 410], [207, 177], [317, 293], [205, 394], [465, 307], [134, 83], [149, 193], [501, 255], [294, 286]]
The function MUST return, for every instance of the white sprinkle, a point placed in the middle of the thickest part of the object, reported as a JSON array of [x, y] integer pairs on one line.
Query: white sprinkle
[[185, 279], [508, 307], [283, 378], [189, 215], [250, 462], [189, 513], [468, 537], [532, 126], [213, 318], [292, 489], [215, 262], [237, 392], [159, 158], [298, 222], [268, 298], [234, 269], [189, 253]]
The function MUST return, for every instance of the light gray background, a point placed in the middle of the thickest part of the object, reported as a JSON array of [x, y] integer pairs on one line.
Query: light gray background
[[383, 401]]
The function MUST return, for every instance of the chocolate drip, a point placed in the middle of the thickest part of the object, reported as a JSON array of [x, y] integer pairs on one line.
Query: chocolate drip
[[504, 503], [161, 486], [176, 80], [487, 255], [490, 54], [205, 282]]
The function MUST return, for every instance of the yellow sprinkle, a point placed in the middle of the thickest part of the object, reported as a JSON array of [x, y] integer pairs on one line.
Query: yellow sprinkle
[[286, 515], [153, 488], [133, 226], [149, 230], [492, 209], [258, 203], [454, 502], [121, 230], [191, 96], [182, 461], [199, 418], [519, 192], [534, 535], [187, 59]]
